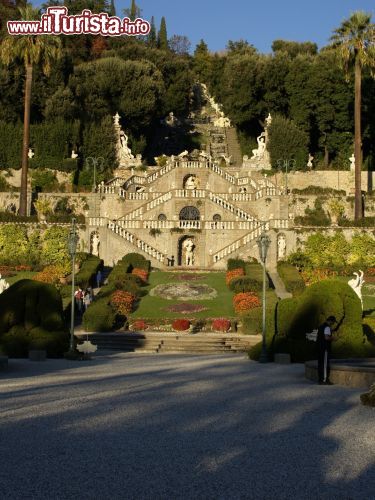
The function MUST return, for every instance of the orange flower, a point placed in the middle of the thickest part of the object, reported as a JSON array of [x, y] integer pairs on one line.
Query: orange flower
[[123, 302], [234, 273], [141, 273], [243, 302]]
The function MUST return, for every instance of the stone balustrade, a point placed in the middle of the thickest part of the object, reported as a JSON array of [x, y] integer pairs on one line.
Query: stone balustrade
[[97, 221], [138, 242], [106, 189], [244, 240], [189, 224]]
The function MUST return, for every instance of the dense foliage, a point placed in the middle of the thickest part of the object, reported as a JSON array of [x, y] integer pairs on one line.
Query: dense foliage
[[31, 316]]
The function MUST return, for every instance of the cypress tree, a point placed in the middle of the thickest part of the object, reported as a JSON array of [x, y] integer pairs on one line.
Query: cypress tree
[[152, 34], [112, 8], [162, 36]]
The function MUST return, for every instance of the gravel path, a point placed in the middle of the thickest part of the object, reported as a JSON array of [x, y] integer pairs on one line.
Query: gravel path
[[131, 426]]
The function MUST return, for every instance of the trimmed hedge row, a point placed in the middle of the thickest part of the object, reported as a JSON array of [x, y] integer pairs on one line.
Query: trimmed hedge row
[[291, 277]]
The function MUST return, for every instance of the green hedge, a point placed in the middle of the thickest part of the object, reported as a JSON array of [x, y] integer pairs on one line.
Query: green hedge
[[246, 284], [89, 267], [254, 270], [303, 314], [291, 277], [100, 315], [236, 264], [31, 315]]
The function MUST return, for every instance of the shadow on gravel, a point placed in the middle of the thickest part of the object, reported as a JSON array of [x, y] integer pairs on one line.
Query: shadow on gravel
[[188, 427]]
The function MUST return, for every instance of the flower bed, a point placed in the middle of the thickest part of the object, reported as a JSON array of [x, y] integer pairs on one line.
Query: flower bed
[[244, 302], [234, 273], [141, 273], [220, 325], [139, 325], [123, 302], [181, 325], [189, 277]]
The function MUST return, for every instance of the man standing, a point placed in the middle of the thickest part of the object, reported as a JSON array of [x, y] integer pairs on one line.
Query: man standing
[[324, 340]]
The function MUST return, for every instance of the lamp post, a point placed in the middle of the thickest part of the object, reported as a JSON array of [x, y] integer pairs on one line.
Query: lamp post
[[263, 244], [97, 163], [72, 248], [286, 164]]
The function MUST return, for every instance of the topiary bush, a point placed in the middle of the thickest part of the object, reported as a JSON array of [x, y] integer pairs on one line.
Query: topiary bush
[[89, 267], [99, 316], [245, 284], [136, 260], [292, 279], [221, 325], [254, 270], [31, 312], [235, 264]]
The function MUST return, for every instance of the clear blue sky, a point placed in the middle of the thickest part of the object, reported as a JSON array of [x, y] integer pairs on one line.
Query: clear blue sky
[[259, 22]]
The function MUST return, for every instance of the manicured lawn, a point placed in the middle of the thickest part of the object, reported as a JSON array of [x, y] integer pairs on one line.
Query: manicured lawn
[[22, 275], [156, 307]]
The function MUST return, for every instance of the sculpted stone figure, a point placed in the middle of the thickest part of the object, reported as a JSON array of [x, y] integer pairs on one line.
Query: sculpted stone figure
[[357, 283], [352, 163], [95, 242], [259, 152], [281, 247], [191, 182], [4, 285], [189, 246]]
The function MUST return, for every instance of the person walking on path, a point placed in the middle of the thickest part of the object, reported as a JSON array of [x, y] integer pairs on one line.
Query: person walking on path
[[324, 341], [86, 299], [98, 278]]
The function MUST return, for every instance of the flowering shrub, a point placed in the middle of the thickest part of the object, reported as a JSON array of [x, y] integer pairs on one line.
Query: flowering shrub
[[220, 325], [22, 268], [181, 325], [140, 325], [123, 302], [51, 274], [311, 276], [141, 273], [234, 273], [243, 302]]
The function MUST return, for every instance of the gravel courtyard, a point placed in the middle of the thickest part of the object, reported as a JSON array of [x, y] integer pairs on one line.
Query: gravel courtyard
[[131, 426]]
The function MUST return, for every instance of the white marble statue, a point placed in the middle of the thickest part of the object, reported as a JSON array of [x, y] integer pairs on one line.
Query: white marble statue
[[281, 247], [30, 153], [357, 283], [310, 161], [259, 152], [124, 153], [352, 163], [191, 182], [183, 154], [95, 243], [189, 246], [171, 120], [268, 120], [74, 155], [4, 285]]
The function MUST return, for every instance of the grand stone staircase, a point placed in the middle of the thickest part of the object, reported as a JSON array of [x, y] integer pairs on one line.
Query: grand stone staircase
[[172, 343], [233, 146]]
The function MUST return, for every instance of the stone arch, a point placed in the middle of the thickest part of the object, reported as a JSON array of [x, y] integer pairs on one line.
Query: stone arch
[[189, 213], [162, 217], [216, 218]]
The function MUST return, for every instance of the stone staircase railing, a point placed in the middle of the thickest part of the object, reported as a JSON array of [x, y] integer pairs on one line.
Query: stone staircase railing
[[138, 242], [138, 212], [241, 242], [197, 224], [228, 206]]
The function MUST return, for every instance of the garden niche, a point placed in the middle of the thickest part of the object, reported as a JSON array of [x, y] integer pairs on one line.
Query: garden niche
[[31, 317]]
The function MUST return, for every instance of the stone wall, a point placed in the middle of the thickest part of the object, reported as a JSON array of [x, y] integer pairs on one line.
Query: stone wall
[[335, 179]]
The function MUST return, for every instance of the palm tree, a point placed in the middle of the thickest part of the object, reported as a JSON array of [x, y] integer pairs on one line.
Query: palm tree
[[32, 50], [355, 41]]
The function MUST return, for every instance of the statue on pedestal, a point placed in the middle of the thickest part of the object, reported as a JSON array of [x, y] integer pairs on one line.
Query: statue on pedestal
[[352, 163], [124, 153], [95, 242], [189, 246]]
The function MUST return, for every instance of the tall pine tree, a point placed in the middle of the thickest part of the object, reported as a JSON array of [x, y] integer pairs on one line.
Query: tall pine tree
[[133, 12], [162, 36]]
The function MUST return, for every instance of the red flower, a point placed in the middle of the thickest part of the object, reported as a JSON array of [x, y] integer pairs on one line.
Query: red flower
[[220, 325], [123, 302], [181, 325]]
